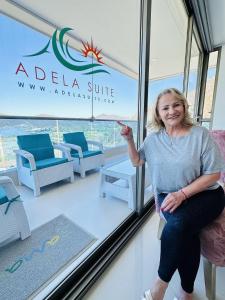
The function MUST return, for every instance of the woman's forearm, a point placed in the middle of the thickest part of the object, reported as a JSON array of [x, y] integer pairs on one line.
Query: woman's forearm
[[133, 153], [127, 134], [200, 184]]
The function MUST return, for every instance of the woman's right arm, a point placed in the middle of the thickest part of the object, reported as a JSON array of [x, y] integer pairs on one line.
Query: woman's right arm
[[127, 134]]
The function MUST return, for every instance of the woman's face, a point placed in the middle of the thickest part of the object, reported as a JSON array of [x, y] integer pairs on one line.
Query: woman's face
[[171, 110]]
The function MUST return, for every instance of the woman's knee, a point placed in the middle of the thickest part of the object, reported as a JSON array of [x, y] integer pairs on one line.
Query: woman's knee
[[176, 227]]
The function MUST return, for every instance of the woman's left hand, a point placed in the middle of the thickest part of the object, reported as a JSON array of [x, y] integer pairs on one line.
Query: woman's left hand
[[172, 201]]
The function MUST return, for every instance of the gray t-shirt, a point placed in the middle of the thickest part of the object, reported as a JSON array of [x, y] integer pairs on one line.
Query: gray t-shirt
[[175, 162]]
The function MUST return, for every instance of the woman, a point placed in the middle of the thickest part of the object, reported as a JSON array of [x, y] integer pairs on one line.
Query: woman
[[184, 165]]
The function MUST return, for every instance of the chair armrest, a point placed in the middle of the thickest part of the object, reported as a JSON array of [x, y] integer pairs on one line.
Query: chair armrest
[[28, 156], [95, 143], [9, 187], [74, 147], [65, 150], [5, 179]]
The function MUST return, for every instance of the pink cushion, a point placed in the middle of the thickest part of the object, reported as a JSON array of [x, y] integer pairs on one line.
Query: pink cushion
[[213, 241], [219, 138], [213, 236]]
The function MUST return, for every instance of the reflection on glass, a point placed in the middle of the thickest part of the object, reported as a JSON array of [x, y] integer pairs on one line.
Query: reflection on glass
[[210, 84]]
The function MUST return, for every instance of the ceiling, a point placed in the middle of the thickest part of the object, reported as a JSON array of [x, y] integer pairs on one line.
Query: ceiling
[[114, 28], [216, 16]]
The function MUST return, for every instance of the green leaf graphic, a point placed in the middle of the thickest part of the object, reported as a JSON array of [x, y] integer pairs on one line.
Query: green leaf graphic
[[66, 63], [44, 50], [61, 35]]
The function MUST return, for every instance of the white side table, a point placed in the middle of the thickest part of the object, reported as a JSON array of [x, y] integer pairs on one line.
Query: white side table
[[119, 180]]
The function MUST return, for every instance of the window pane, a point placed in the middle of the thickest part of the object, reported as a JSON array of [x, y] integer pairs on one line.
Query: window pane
[[210, 84], [167, 53], [36, 61], [206, 124], [193, 75], [46, 77], [168, 42]]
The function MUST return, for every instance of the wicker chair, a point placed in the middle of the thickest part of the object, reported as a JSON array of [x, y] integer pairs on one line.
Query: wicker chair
[[13, 218], [37, 165], [84, 159]]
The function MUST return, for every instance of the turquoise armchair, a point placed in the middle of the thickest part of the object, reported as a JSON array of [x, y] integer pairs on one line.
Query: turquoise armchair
[[37, 164], [84, 158], [13, 218]]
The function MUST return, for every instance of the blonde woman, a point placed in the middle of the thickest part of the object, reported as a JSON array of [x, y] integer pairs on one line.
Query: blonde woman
[[184, 165]]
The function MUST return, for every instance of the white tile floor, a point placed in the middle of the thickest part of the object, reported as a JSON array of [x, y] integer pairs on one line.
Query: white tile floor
[[80, 202], [135, 269]]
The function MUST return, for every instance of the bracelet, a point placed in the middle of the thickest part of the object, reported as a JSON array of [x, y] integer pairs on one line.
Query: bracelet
[[185, 195]]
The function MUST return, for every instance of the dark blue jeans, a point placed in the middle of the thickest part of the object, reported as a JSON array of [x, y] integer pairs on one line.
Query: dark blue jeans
[[180, 242]]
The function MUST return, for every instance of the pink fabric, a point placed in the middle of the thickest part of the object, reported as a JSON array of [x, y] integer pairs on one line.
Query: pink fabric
[[219, 138], [213, 241], [213, 236]]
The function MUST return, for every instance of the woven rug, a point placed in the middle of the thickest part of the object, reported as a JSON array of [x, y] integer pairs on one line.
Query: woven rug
[[27, 265]]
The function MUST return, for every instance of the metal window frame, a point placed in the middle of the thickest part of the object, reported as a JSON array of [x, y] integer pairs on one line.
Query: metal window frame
[[199, 70], [199, 9], [188, 55], [202, 87], [211, 119], [143, 84]]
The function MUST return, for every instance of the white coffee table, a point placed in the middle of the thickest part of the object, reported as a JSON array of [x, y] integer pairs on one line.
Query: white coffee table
[[119, 180]]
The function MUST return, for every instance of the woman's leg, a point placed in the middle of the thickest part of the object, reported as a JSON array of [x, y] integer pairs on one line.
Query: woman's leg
[[181, 226], [189, 263], [173, 241]]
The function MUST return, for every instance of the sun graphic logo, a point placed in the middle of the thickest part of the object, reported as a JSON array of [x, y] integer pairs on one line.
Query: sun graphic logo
[[89, 49], [63, 55]]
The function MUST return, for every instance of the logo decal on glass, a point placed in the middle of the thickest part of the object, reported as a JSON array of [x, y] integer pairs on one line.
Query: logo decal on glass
[[68, 61]]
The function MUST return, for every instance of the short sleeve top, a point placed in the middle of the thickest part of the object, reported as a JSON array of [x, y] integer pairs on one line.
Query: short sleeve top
[[175, 162]]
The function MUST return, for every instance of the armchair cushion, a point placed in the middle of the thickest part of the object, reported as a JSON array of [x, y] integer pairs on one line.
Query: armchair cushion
[[219, 138], [213, 241], [39, 145], [3, 197], [49, 162], [76, 138], [87, 153]]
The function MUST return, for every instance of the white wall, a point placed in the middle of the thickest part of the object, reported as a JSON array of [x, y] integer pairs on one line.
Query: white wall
[[219, 108]]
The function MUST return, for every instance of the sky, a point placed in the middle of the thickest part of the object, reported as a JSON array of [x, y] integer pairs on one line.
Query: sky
[[41, 85]]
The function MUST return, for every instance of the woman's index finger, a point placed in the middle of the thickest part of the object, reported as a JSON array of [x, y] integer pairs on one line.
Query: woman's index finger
[[121, 124]]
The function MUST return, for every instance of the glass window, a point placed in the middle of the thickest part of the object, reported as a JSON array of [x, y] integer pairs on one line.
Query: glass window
[[168, 42], [105, 131], [79, 78], [169, 23], [206, 124], [193, 75], [210, 84], [47, 77]]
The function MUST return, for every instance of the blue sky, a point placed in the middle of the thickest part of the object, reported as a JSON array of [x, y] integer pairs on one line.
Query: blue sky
[[56, 99]]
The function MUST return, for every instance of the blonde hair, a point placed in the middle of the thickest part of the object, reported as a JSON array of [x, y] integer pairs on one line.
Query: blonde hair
[[156, 123]]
